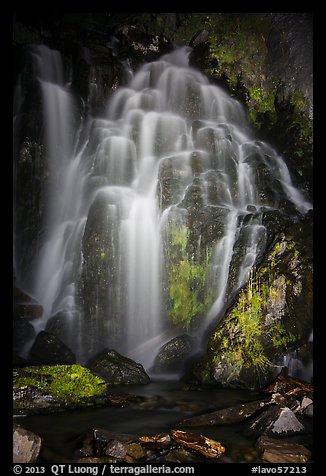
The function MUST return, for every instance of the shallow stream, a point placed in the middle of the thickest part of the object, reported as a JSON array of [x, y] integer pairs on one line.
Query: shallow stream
[[168, 403]]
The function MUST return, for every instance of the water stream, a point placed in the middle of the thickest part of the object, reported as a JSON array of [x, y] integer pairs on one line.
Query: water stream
[[116, 183]]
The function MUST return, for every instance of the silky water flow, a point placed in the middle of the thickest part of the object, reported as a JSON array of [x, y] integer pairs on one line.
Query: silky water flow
[[99, 269]]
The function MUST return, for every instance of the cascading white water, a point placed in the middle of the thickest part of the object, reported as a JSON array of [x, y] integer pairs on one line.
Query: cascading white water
[[107, 205]]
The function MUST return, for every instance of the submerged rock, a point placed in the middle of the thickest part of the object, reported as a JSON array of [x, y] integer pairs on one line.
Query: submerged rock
[[26, 445], [279, 451], [228, 415], [116, 369]]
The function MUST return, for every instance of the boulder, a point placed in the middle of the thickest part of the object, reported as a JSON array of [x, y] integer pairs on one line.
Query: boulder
[[48, 349], [26, 445], [172, 355], [52, 388], [275, 422], [116, 369], [279, 451]]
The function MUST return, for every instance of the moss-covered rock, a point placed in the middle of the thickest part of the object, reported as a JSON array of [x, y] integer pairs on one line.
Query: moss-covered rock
[[187, 295], [55, 387], [271, 315]]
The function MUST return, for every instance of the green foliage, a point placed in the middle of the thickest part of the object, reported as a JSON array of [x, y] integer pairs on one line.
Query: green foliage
[[280, 337], [186, 280], [245, 335], [71, 383]]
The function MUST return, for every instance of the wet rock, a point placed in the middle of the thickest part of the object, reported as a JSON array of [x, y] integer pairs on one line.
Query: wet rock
[[48, 349], [26, 445], [135, 451], [25, 306], [28, 310], [289, 386], [175, 446], [279, 451], [198, 443], [25, 309], [23, 332], [32, 400], [228, 415], [172, 355], [101, 438], [123, 400], [59, 326], [275, 422], [309, 411], [117, 369], [180, 455], [48, 389], [200, 37], [115, 449]]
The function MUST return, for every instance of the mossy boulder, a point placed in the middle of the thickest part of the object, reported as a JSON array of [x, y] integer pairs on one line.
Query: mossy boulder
[[49, 388], [271, 316]]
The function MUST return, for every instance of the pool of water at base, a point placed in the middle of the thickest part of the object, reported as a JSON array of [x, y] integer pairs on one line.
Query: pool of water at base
[[62, 433]]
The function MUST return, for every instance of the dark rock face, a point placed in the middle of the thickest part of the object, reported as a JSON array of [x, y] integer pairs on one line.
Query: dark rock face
[[290, 52], [172, 355], [99, 284], [117, 369], [48, 349], [26, 445], [25, 309]]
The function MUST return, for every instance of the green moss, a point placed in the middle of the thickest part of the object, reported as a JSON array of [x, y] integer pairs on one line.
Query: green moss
[[280, 337], [70, 383], [186, 280], [246, 334]]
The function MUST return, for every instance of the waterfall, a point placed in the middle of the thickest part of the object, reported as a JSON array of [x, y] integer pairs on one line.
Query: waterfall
[[171, 152]]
